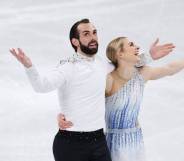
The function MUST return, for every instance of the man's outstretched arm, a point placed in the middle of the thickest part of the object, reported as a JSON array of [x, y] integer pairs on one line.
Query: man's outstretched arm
[[21, 57], [50, 82]]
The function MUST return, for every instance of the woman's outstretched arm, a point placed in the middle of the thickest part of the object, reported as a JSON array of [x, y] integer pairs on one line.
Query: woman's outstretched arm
[[153, 73]]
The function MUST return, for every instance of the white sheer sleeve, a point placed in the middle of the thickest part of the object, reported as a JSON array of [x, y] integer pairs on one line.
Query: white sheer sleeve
[[53, 80], [145, 59]]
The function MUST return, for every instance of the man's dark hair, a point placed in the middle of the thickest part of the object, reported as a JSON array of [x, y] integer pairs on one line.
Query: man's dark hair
[[74, 31]]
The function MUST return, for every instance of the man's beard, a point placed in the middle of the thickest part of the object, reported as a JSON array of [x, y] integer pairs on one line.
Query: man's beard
[[87, 50]]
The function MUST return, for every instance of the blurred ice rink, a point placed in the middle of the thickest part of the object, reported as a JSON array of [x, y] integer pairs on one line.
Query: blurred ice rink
[[28, 119]]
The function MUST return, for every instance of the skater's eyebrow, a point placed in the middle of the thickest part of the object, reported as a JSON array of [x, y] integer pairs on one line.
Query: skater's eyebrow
[[87, 31]]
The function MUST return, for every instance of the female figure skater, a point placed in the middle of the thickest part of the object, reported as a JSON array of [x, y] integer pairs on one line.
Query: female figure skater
[[124, 93]]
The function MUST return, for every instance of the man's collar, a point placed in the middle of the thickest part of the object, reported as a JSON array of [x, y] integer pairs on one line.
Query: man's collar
[[83, 57]]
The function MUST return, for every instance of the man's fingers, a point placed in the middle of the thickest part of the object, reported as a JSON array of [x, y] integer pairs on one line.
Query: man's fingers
[[17, 54], [13, 52], [20, 51]]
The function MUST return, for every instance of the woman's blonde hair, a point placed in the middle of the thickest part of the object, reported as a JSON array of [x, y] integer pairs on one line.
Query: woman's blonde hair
[[112, 49]]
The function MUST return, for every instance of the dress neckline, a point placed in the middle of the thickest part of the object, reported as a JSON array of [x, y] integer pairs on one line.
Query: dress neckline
[[135, 73]]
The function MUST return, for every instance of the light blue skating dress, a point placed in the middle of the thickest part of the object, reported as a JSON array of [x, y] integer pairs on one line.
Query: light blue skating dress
[[123, 133]]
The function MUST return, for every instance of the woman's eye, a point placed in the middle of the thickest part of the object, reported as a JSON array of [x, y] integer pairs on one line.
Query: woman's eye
[[131, 44]]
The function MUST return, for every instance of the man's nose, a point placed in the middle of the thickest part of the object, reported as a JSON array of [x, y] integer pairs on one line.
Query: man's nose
[[94, 37]]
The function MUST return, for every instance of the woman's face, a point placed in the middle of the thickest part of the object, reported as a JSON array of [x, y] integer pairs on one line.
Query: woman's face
[[130, 52]]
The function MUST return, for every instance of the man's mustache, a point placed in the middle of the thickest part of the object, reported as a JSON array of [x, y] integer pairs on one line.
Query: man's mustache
[[93, 41]]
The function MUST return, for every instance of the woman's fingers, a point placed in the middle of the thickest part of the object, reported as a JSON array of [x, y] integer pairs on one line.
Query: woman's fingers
[[63, 123], [156, 42]]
